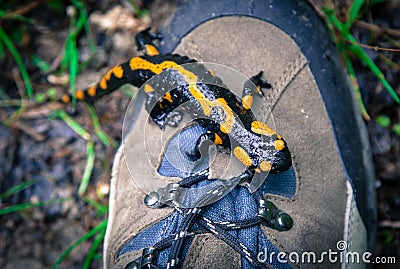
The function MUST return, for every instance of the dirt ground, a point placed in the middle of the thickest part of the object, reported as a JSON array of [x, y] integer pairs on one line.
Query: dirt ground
[[39, 147]]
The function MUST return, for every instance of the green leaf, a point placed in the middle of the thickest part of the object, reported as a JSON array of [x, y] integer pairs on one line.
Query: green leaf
[[52, 93], [41, 64], [40, 98], [383, 121], [388, 236], [396, 129]]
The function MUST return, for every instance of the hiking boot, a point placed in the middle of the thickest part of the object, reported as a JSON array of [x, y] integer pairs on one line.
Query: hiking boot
[[317, 211]]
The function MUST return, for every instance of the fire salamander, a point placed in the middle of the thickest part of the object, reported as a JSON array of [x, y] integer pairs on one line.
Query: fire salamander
[[230, 122]]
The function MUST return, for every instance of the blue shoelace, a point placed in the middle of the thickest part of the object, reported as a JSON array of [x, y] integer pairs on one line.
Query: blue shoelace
[[235, 219]]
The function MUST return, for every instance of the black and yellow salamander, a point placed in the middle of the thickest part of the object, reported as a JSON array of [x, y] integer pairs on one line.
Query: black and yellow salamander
[[230, 123]]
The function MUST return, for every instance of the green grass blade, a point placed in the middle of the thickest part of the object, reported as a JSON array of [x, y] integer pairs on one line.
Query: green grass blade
[[2, 51], [333, 20], [363, 56], [100, 208], [13, 190], [140, 13], [356, 87], [72, 54], [72, 124], [128, 90], [85, 21], [88, 168], [92, 251], [99, 228], [87, 173], [348, 42], [18, 60], [4, 95], [70, 59], [40, 63], [354, 12], [104, 138], [25, 206]]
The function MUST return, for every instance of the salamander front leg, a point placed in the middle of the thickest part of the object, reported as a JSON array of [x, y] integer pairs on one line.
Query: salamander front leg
[[251, 179], [249, 90], [144, 42]]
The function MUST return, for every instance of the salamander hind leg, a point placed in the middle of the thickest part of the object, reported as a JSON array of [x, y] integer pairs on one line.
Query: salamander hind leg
[[163, 111]]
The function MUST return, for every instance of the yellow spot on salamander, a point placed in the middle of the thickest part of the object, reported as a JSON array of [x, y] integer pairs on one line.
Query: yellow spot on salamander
[[92, 91], [217, 140], [80, 95], [222, 101], [103, 83], [227, 125], [148, 88], [151, 50], [259, 127], [279, 144], [258, 88], [105, 79], [265, 166], [247, 101], [242, 156], [168, 97], [65, 98], [118, 71]]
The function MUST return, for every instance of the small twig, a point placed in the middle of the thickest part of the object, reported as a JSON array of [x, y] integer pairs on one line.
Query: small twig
[[389, 224], [23, 10], [19, 82], [375, 28], [13, 102], [389, 62], [30, 131], [319, 5], [376, 48]]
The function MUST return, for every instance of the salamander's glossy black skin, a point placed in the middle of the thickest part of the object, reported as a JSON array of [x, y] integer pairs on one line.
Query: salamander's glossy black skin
[[229, 121]]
